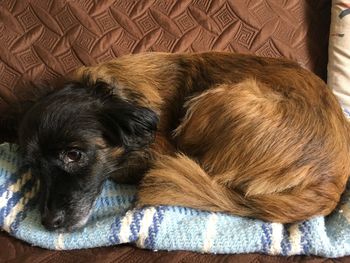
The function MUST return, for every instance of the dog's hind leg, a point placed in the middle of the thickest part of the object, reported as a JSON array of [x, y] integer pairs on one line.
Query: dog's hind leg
[[257, 153]]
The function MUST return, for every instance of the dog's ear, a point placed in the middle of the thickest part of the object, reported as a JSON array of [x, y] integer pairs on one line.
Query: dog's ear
[[12, 110], [9, 123], [128, 125]]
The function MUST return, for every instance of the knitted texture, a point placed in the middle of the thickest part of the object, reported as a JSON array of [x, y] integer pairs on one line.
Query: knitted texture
[[163, 228]]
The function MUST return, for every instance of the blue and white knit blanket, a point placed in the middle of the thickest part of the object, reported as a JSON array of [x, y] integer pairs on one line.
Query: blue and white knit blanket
[[163, 228]]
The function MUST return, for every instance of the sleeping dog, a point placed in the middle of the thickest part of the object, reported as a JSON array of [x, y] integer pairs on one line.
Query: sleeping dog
[[245, 135]]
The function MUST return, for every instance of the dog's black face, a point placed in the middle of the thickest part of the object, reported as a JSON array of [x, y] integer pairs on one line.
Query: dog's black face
[[66, 139]]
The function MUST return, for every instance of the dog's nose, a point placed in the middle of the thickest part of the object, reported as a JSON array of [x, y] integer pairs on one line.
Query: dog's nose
[[53, 221]]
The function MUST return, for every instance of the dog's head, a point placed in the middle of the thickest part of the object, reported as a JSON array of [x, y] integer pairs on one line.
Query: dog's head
[[67, 138]]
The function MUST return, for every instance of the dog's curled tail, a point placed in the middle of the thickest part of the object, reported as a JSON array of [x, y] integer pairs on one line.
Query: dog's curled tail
[[180, 181]]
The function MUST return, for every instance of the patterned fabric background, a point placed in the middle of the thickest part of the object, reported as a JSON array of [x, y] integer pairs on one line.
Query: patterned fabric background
[[41, 40]]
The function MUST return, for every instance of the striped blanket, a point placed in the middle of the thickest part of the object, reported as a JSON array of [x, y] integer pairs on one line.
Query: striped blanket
[[163, 228]]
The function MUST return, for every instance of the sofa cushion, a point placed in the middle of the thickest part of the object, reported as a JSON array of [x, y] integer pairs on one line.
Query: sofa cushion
[[339, 53]]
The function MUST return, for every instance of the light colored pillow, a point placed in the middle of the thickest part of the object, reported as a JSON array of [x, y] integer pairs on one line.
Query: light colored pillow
[[339, 53]]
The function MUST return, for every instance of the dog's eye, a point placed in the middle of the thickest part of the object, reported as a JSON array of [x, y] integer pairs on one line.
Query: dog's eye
[[72, 156]]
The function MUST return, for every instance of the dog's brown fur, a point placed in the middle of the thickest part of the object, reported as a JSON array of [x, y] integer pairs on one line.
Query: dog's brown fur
[[250, 136]]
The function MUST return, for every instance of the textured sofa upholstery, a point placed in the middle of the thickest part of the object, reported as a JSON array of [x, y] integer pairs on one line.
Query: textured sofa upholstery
[[41, 40]]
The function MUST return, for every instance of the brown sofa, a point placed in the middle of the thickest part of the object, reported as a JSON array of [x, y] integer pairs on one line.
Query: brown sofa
[[41, 40]]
